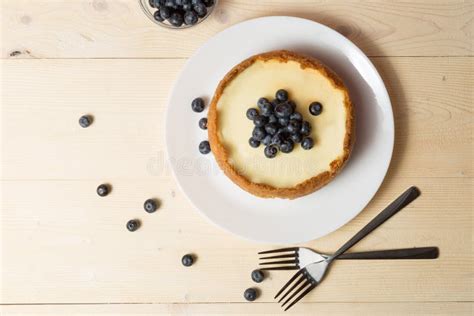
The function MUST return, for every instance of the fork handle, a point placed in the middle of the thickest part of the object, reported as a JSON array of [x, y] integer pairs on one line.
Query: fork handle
[[407, 253], [403, 200]]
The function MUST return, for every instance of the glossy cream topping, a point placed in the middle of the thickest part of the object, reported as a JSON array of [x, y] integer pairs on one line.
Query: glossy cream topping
[[263, 79]]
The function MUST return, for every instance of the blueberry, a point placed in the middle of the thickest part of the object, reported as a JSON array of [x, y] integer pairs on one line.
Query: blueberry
[[257, 275], [283, 121], [272, 119], [187, 5], [203, 123], [187, 260], [251, 113], [296, 116], [208, 3], [258, 133], [315, 108], [277, 139], [250, 294], [204, 147], [150, 205], [267, 140], [271, 128], [305, 128], [286, 146], [200, 9], [103, 190], [253, 142], [190, 17], [292, 104], [157, 16], [261, 102], [170, 4], [178, 2], [293, 126], [283, 110], [133, 225], [270, 151], [165, 13], [176, 19], [296, 138], [198, 105], [307, 143], [260, 121], [152, 3], [85, 121], [281, 95], [267, 109]]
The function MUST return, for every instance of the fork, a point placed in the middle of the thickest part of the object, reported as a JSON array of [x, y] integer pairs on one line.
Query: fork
[[311, 275], [296, 258]]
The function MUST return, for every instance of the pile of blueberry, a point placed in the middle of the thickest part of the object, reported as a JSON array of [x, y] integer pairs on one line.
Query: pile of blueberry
[[278, 126], [177, 12]]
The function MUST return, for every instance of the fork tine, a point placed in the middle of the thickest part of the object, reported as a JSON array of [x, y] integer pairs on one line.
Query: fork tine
[[280, 262], [309, 289], [291, 255], [278, 250], [280, 268], [301, 279], [305, 284], [289, 282]]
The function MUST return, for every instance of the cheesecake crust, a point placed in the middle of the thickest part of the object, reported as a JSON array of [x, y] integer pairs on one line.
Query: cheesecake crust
[[313, 182]]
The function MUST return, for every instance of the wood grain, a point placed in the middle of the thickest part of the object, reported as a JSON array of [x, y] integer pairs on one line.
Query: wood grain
[[343, 309], [100, 28], [42, 139]]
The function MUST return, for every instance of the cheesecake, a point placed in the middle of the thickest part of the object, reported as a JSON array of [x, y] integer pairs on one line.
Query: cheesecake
[[292, 174]]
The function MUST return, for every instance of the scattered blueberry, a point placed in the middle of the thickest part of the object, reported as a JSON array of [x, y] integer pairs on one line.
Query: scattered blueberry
[[250, 294], [198, 105], [257, 275], [103, 190], [270, 151], [260, 120], [150, 205], [253, 142], [176, 19], [283, 121], [85, 121], [261, 102], [258, 133], [278, 139], [307, 143], [133, 225], [190, 17], [267, 109], [204, 147], [187, 260], [281, 95], [315, 108], [203, 123], [305, 128], [293, 126], [286, 146], [272, 119], [251, 113]]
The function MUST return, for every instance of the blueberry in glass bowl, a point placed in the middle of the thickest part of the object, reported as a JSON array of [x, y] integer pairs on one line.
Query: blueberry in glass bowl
[[177, 14]]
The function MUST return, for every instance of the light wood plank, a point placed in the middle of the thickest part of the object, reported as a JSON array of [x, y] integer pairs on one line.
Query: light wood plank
[[62, 243], [42, 139], [343, 309], [99, 28]]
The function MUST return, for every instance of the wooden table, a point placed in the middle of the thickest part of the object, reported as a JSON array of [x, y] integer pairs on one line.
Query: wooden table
[[65, 250]]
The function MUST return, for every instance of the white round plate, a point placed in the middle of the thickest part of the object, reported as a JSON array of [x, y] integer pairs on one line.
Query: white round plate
[[278, 220]]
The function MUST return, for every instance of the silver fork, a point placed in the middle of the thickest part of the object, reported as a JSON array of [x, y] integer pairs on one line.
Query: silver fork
[[311, 275], [295, 258]]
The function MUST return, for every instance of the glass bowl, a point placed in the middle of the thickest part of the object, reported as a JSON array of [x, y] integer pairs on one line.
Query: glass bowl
[[148, 10]]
